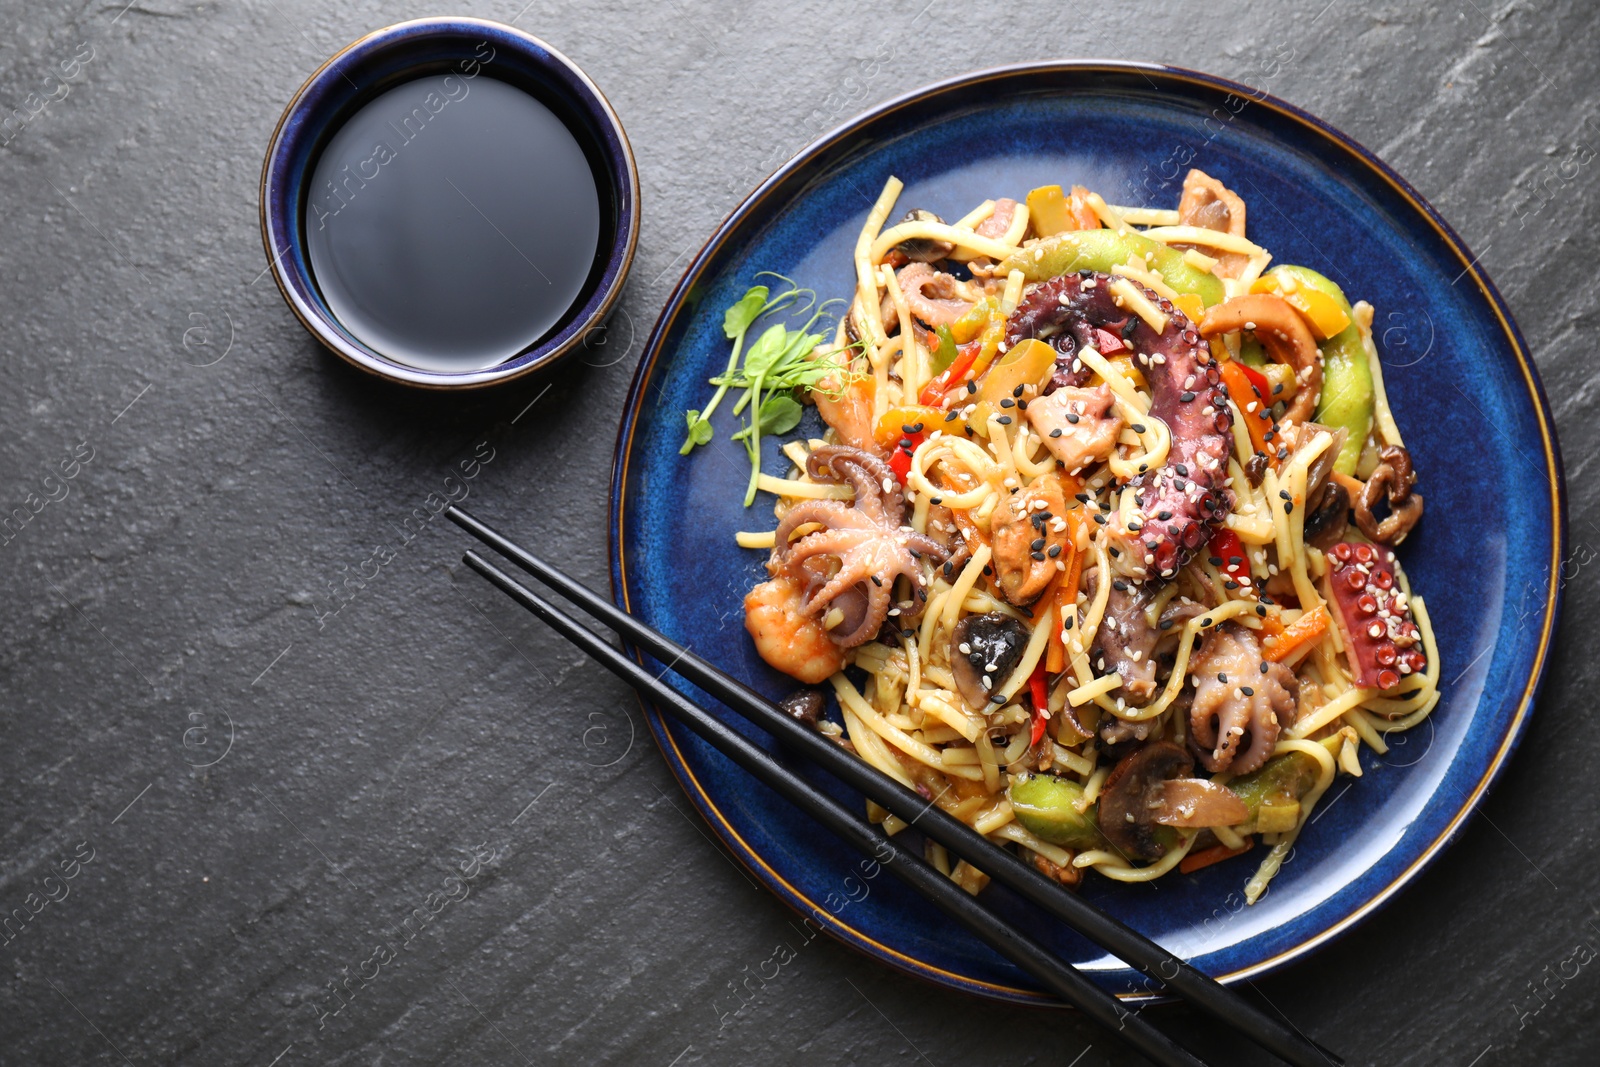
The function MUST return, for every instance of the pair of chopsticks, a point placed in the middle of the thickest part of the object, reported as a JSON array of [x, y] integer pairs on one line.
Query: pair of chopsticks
[[1275, 1035]]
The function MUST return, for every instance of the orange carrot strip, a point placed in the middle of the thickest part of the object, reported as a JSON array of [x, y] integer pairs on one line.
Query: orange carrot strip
[[1194, 861], [1243, 394], [1307, 628]]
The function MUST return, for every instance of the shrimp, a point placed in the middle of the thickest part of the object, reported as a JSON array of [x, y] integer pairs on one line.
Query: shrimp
[[793, 643]]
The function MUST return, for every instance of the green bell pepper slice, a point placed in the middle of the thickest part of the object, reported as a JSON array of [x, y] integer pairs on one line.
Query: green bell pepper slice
[[1103, 249], [1347, 398]]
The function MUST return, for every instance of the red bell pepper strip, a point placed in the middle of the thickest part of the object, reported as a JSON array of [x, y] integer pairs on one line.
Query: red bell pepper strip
[[935, 390], [1036, 689], [900, 458], [1229, 550]]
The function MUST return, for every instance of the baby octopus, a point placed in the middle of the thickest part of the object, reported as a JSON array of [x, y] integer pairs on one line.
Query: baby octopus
[[1180, 501], [868, 538]]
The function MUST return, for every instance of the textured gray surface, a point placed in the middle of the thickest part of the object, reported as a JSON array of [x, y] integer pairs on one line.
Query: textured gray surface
[[181, 592]]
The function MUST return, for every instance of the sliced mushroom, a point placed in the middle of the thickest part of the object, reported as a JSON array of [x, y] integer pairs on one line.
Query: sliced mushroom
[[1327, 502], [1194, 803], [1209, 204], [983, 651], [1328, 518], [1391, 483], [1285, 336], [923, 249], [1132, 795]]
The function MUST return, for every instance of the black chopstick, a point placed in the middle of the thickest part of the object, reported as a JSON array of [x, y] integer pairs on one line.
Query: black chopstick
[[1063, 980], [1139, 951]]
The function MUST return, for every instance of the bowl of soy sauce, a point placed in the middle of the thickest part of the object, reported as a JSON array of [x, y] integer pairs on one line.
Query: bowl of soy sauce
[[450, 203]]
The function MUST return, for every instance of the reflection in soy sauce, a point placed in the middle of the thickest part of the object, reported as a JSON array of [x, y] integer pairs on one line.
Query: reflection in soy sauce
[[451, 222]]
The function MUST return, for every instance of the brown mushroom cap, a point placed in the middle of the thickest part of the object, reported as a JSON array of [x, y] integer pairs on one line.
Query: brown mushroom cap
[[1392, 482], [1132, 795], [1199, 802], [982, 642]]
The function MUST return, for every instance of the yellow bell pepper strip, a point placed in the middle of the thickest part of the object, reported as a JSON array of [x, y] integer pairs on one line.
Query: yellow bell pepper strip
[[913, 419], [1049, 211], [1102, 250], [1017, 375], [1322, 312], [1347, 396]]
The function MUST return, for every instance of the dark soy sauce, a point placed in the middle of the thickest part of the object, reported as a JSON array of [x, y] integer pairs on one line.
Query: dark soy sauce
[[451, 222]]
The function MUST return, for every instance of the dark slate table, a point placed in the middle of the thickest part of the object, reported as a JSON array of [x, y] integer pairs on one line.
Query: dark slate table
[[256, 771]]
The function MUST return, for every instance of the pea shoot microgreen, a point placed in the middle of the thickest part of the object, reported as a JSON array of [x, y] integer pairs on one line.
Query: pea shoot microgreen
[[771, 373]]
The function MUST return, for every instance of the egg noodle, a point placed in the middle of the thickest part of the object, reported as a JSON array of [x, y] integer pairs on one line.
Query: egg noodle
[[1035, 677]]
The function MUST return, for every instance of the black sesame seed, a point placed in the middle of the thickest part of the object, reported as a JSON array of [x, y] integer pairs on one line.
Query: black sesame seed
[[1004, 420], [1284, 494], [1082, 498], [1072, 418], [1247, 691], [1205, 622], [1056, 432], [1139, 427], [1230, 584], [936, 500], [947, 570], [1223, 678], [1037, 544], [1163, 515], [1183, 471], [1185, 397], [905, 443], [1235, 560], [1135, 527], [1119, 585], [998, 698], [1038, 557], [1215, 561], [1288, 507], [1264, 667], [972, 387], [1068, 624], [1267, 600], [1017, 391], [1261, 611], [1008, 403], [1276, 389], [1114, 553], [1101, 519], [1055, 550], [877, 581], [1165, 624]]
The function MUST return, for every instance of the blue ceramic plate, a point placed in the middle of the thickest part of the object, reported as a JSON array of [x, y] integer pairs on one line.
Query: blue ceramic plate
[[1459, 379]]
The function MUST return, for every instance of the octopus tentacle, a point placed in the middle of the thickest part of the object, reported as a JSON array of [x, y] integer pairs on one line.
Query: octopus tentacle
[[1181, 500], [877, 494]]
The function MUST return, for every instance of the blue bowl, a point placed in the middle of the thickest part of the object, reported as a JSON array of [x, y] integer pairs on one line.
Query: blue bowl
[[400, 53], [1486, 557]]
